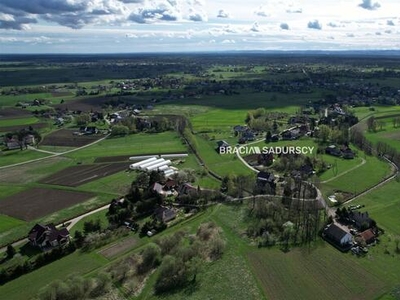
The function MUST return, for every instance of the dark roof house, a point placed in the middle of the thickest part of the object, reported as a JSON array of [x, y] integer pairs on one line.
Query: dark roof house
[[360, 220], [338, 236], [164, 214], [221, 146], [48, 236]]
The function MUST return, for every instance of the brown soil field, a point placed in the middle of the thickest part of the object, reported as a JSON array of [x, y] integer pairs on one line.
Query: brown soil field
[[36, 126], [78, 175], [39, 202], [10, 113], [84, 104], [108, 159], [118, 248], [31, 172], [61, 94], [66, 138]]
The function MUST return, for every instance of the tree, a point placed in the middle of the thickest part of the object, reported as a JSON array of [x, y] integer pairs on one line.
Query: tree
[[324, 133], [78, 239], [371, 124], [10, 251], [268, 136], [119, 130], [143, 180], [151, 257]]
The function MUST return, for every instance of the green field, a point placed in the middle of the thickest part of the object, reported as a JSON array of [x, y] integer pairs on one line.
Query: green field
[[220, 164], [136, 144], [388, 135], [100, 215], [26, 286], [323, 273], [7, 223], [117, 183], [22, 121], [359, 179], [10, 157], [383, 204]]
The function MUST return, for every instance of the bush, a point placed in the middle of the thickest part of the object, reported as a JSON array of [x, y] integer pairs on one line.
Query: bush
[[119, 130]]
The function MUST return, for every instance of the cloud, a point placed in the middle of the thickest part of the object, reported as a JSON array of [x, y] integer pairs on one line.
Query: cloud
[[228, 42], [198, 17], [314, 25], [367, 4], [148, 15], [294, 11], [8, 21], [262, 11], [332, 24], [74, 14], [77, 14], [390, 23], [223, 14], [132, 1], [284, 26], [255, 27]]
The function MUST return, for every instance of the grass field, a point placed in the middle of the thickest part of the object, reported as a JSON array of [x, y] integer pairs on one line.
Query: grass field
[[28, 285], [117, 184], [21, 121], [383, 204], [101, 215], [220, 164], [11, 100], [324, 273], [7, 223], [388, 135], [360, 179], [165, 142], [10, 157]]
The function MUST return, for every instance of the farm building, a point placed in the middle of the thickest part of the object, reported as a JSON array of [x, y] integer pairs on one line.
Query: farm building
[[155, 164], [338, 236], [164, 214], [48, 236], [222, 146], [368, 236], [361, 220]]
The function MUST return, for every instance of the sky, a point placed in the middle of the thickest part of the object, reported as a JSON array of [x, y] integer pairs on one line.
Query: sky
[[131, 26]]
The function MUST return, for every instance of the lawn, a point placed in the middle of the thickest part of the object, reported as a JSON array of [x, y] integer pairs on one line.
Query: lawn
[[136, 144], [324, 273], [100, 215]]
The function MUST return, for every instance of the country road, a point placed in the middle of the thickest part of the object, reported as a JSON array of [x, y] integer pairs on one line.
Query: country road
[[52, 155], [71, 223], [331, 210]]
